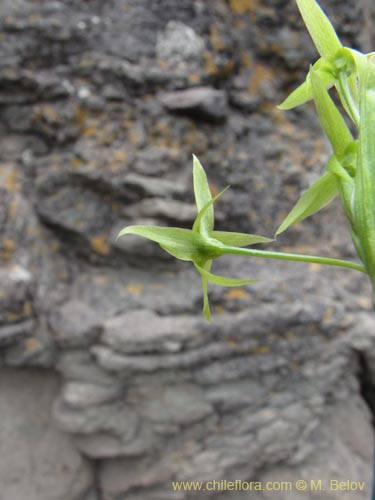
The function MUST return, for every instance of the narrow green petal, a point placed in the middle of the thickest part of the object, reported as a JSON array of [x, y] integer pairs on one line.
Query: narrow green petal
[[320, 28], [346, 183], [332, 122], [202, 195], [206, 303], [181, 243], [200, 223], [320, 194], [222, 280], [239, 239], [304, 92]]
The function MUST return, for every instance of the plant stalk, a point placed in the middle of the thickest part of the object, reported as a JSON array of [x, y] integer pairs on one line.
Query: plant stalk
[[265, 254]]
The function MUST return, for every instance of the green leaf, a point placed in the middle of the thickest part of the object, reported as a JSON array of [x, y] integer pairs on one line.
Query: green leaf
[[199, 223], [345, 181], [239, 239], [222, 280], [314, 199], [320, 28], [331, 120], [203, 196], [181, 243], [304, 92]]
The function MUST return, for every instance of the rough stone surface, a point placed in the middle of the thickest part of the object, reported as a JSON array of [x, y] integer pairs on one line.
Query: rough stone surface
[[101, 106], [204, 102], [38, 461]]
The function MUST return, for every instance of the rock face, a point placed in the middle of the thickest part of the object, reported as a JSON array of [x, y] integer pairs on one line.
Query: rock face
[[102, 105], [38, 461]]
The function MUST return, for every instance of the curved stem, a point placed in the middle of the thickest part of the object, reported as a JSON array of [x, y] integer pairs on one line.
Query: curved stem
[[265, 254]]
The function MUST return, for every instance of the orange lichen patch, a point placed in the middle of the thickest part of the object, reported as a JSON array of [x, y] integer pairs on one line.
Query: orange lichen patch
[[9, 178], [86, 63], [135, 289], [90, 131], [315, 267], [219, 309], [80, 116], [217, 39], [242, 6], [135, 137], [328, 313], [246, 59], [292, 192], [107, 134], [32, 344], [13, 316], [196, 139], [8, 248], [120, 156], [101, 245], [101, 279], [261, 74], [364, 302], [54, 247], [160, 134], [34, 18], [27, 308], [210, 65], [236, 294], [276, 49], [47, 113], [227, 68], [261, 349], [212, 68], [76, 163], [163, 64], [194, 78], [133, 131]]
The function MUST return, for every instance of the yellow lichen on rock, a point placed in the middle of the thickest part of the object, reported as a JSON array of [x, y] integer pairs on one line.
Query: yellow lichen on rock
[[101, 245]]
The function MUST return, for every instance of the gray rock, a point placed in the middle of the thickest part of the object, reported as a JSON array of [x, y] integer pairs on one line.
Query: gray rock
[[79, 366], [37, 350], [75, 324], [156, 161], [104, 445], [143, 331], [16, 299], [116, 418], [205, 102], [29, 440], [179, 42], [244, 101], [159, 208], [154, 187], [79, 395], [16, 332], [102, 106]]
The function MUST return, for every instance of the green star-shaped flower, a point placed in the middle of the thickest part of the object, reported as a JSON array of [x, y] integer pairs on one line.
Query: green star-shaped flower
[[202, 243]]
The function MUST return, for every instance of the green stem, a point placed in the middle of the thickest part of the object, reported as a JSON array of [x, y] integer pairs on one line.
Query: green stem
[[347, 99], [265, 254]]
